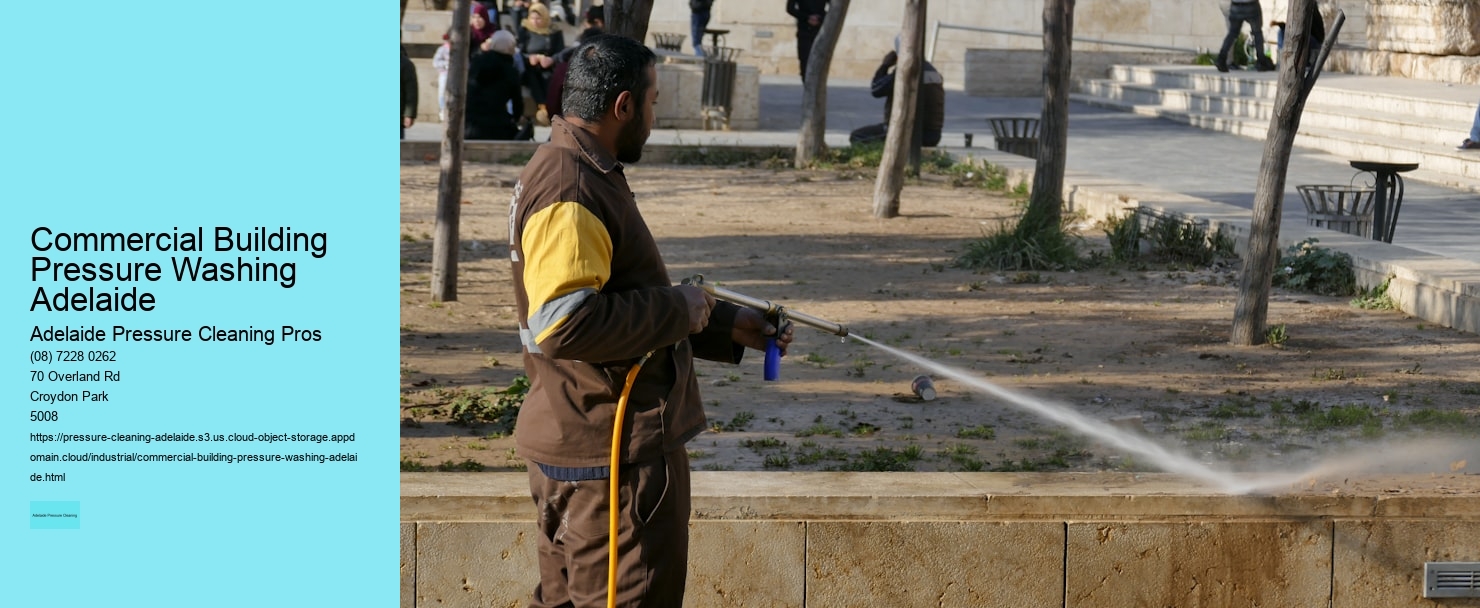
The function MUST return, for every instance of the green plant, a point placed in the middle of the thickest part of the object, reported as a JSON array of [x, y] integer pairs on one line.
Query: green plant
[[1306, 267], [1341, 416], [885, 459], [858, 156], [777, 461], [468, 465], [1276, 335], [980, 431], [412, 466], [819, 429], [1178, 240], [498, 408], [1124, 233], [767, 443], [1008, 248], [739, 422], [1375, 298]]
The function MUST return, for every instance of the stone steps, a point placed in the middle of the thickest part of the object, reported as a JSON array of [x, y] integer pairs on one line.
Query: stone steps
[[1422, 124]]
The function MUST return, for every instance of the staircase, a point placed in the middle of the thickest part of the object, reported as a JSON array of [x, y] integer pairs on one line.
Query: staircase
[[1348, 117]]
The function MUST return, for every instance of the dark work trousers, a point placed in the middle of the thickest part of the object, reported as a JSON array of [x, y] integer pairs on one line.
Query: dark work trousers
[[653, 548]]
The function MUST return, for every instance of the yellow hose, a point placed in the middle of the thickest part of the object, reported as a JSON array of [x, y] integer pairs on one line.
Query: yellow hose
[[613, 504]]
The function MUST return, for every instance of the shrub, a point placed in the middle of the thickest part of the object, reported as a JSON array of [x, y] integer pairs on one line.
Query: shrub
[[1306, 267]]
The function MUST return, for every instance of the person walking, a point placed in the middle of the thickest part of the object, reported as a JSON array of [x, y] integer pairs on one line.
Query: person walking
[[809, 15], [698, 22], [599, 318], [1239, 13]]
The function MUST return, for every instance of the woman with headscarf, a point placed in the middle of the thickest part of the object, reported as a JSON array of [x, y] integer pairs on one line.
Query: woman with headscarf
[[539, 43], [482, 28], [494, 100]]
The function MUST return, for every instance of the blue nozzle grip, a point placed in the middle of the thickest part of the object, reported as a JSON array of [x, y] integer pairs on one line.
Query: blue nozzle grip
[[773, 360]]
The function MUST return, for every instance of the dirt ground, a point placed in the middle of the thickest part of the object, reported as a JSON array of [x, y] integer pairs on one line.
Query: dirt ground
[[1144, 349]]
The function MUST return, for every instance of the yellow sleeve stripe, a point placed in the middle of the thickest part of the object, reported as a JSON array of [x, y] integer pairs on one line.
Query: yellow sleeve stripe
[[567, 258]]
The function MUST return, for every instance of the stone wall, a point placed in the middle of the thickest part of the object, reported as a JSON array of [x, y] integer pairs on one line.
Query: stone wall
[[1430, 27], [1019, 73], [979, 540]]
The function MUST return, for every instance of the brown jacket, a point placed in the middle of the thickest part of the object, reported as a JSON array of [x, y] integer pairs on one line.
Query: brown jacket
[[593, 296]]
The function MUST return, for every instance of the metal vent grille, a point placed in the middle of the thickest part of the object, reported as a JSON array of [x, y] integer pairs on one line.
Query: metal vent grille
[[1451, 579]]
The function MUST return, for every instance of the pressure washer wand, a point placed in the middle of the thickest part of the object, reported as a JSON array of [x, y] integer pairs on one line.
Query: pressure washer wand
[[777, 314]]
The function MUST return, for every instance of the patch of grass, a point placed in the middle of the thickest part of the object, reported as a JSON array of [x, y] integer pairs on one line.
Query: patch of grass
[[1341, 416], [860, 365], [860, 156], [819, 429], [1006, 248], [980, 431], [1235, 408], [739, 422], [777, 461], [1432, 419], [964, 456], [498, 408], [885, 459], [1375, 298], [726, 156], [1207, 430], [412, 466], [766, 443], [468, 465], [864, 429], [818, 359], [809, 455]]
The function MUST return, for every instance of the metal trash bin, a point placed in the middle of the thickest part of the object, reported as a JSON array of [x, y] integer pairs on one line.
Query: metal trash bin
[[1338, 207], [668, 41], [719, 85], [1016, 135]]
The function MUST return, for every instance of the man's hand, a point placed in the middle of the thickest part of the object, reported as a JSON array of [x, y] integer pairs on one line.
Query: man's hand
[[814, 20], [407, 121], [891, 58], [699, 304], [751, 330]]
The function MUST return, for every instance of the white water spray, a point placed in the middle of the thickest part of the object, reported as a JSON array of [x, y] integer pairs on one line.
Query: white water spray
[[1157, 455]]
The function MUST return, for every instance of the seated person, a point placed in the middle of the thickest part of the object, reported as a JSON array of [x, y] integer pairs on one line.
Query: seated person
[[1473, 142], [930, 103]]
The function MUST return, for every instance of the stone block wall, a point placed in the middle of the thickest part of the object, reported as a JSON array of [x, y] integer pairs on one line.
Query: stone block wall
[[980, 540], [1430, 27], [1019, 73]]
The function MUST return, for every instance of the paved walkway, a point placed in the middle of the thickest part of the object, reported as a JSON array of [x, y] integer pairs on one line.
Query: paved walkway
[[1157, 153]]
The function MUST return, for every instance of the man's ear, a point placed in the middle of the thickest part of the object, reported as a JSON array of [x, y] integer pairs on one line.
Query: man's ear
[[622, 109]]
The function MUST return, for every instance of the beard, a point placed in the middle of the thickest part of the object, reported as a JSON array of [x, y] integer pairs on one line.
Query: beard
[[631, 138]]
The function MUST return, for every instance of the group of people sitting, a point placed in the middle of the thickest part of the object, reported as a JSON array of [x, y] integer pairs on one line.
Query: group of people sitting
[[515, 72]]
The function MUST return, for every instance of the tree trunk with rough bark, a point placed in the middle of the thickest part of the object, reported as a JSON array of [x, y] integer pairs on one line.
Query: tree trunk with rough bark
[[449, 187], [628, 18], [810, 142], [1046, 202], [1252, 309], [902, 113]]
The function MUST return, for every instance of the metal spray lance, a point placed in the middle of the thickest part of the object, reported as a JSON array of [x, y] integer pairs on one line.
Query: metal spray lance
[[775, 314]]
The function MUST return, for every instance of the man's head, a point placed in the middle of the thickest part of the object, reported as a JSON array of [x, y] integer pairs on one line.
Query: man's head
[[611, 82]]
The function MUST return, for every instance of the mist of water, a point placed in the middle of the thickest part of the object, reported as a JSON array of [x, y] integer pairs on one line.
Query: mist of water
[[1156, 454]]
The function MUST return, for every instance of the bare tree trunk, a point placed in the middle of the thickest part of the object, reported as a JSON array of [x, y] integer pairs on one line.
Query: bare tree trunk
[[449, 189], [1046, 203], [628, 18], [811, 142], [1252, 309], [902, 113]]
